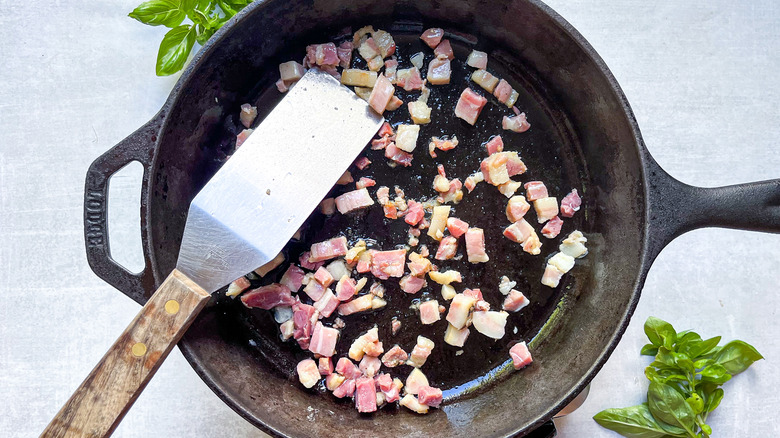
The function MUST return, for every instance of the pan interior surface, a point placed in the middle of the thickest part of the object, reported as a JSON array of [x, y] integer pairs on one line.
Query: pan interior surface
[[581, 137]]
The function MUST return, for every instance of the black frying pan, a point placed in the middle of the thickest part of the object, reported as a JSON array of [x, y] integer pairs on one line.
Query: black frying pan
[[583, 135]]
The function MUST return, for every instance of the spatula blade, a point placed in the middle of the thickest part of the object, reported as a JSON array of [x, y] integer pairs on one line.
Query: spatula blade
[[254, 204]]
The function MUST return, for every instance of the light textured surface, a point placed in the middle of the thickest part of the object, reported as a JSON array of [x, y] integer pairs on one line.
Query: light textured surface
[[78, 76]]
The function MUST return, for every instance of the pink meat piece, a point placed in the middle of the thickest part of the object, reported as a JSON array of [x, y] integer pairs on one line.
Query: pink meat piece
[[516, 208], [478, 60], [519, 231], [403, 158], [359, 304], [469, 106], [292, 278], [242, 136], [502, 91], [444, 48], [364, 182], [412, 285], [323, 340], [378, 144], [395, 326], [432, 37], [344, 53], [447, 248], [268, 297], [373, 349], [365, 395], [281, 86], [515, 301], [314, 289], [345, 288], [331, 70], [370, 365], [364, 263], [384, 382], [470, 184], [323, 277], [495, 144], [475, 245], [347, 368], [383, 195], [535, 190], [322, 54], [450, 194], [353, 200], [520, 355], [391, 67], [346, 389], [457, 227], [306, 264], [362, 162], [386, 130], [420, 354], [386, 264], [304, 316], [419, 267], [552, 228], [439, 71], [429, 312], [325, 365], [429, 396], [414, 213], [385, 43], [412, 81], [327, 303], [570, 203], [517, 123], [332, 248], [394, 357], [474, 293], [381, 94], [514, 165], [247, 115]]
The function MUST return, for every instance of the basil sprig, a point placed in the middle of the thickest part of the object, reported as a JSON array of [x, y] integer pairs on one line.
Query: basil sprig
[[205, 17], [685, 380]]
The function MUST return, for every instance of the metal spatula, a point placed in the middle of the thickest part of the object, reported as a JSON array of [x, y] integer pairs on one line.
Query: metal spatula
[[239, 221]]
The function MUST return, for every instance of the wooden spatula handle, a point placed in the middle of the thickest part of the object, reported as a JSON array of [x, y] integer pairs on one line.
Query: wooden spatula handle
[[98, 405]]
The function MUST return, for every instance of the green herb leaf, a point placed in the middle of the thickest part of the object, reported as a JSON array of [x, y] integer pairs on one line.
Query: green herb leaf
[[695, 402], [159, 12], [713, 400], [701, 363], [649, 350], [699, 348], [737, 356], [174, 49], [633, 422], [660, 332], [669, 406], [715, 373]]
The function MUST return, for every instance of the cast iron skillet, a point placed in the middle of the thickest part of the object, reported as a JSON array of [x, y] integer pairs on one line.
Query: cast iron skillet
[[585, 127]]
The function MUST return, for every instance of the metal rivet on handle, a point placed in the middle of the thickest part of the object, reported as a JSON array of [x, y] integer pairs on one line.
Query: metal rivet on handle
[[172, 307], [139, 349]]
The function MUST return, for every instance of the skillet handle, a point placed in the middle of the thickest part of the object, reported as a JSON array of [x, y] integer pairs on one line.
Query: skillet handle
[[138, 146], [676, 207], [103, 399]]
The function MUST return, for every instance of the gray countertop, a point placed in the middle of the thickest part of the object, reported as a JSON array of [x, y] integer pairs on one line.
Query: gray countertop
[[78, 76]]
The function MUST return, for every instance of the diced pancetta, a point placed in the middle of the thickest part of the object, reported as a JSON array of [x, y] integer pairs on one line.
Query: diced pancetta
[[469, 106], [485, 80], [459, 310], [532, 245], [570, 204], [516, 208], [391, 67], [477, 59], [242, 136], [420, 112], [333, 381], [281, 86], [381, 94], [345, 288], [327, 303], [517, 123], [290, 72], [420, 352], [364, 182], [535, 190], [395, 325], [474, 293], [314, 290], [411, 284], [490, 323], [358, 78], [385, 43], [414, 381], [308, 374], [574, 245], [267, 297], [394, 357], [241, 284], [519, 231], [394, 104], [354, 200], [323, 277], [552, 228], [509, 188], [410, 402], [546, 209], [325, 366], [457, 227], [505, 93], [247, 115], [359, 304], [475, 246], [439, 221], [432, 37], [386, 264], [328, 206], [515, 301], [292, 278], [346, 389], [520, 355], [304, 317], [322, 54], [370, 365], [456, 337], [505, 285], [552, 276], [495, 144], [429, 396], [447, 292], [439, 71], [332, 248], [414, 213], [447, 248], [406, 137], [444, 144], [444, 48], [323, 340], [362, 162], [409, 79], [344, 53], [429, 312], [394, 153], [347, 368], [418, 265], [445, 277], [361, 35]]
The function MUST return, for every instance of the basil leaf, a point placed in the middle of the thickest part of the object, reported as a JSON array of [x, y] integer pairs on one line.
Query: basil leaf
[[660, 332], [174, 49], [713, 400], [683, 362], [701, 363], [699, 348], [159, 12], [669, 406], [737, 356], [633, 422], [649, 350], [715, 373]]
